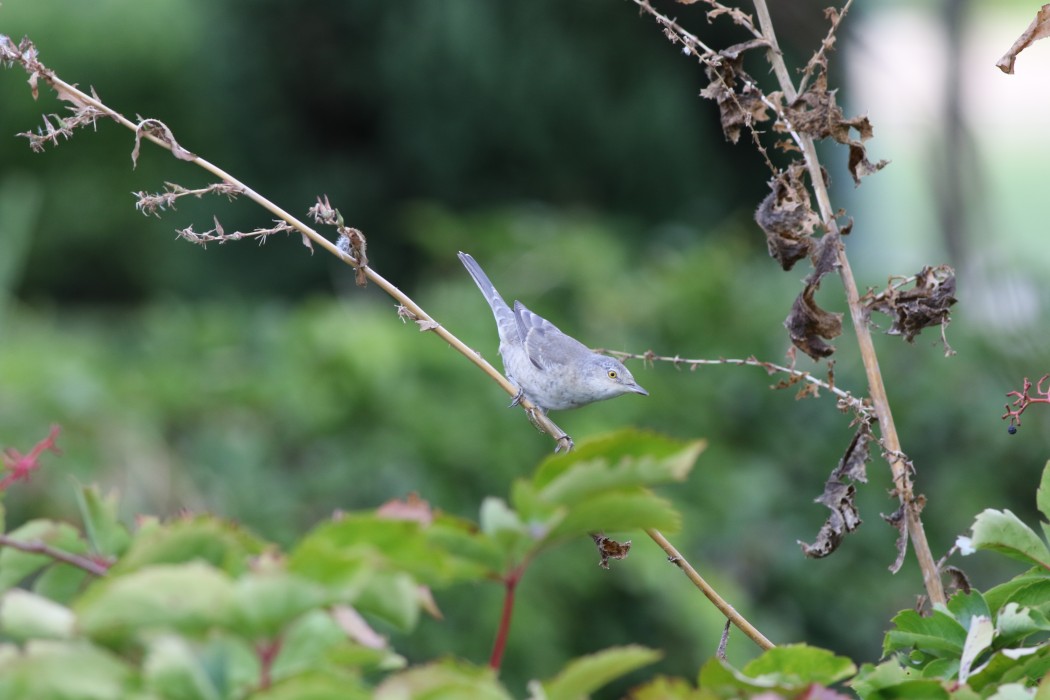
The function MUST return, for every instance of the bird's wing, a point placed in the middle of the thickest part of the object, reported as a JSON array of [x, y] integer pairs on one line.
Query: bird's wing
[[545, 345]]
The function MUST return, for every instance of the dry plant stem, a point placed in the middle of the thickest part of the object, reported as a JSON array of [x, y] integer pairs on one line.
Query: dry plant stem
[[417, 313], [726, 609], [37, 547], [859, 316]]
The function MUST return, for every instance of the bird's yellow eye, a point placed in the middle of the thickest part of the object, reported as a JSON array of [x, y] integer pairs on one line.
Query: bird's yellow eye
[[612, 374]]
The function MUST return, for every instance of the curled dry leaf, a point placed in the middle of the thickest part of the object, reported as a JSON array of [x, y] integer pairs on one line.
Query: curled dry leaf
[[787, 217], [926, 304], [898, 520], [1038, 29], [815, 113], [160, 131], [838, 496], [739, 101], [810, 326], [411, 508]]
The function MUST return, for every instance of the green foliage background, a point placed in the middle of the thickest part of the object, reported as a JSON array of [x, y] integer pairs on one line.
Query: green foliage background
[[563, 146]]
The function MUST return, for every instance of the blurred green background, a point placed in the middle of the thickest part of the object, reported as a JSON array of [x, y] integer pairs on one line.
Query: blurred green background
[[565, 147]]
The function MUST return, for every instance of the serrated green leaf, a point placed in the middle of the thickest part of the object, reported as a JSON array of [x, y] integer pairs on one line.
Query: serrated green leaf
[[60, 583], [264, 602], [936, 634], [223, 544], [871, 680], [582, 676], [171, 669], [55, 669], [107, 535], [1005, 665], [666, 688], [442, 679], [717, 676], [16, 565], [625, 446], [340, 553], [978, 640], [1002, 531], [477, 556], [316, 641], [795, 666], [189, 598], [618, 512], [392, 597], [1011, 691], [966, 606], [24, 615], [316, 685], [1030, 589], [1014, 623]]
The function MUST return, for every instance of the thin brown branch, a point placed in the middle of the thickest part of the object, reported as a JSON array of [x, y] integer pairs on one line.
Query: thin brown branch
[[155, 131], [675, 557], [846, 399], [859, 315], [37, 547]]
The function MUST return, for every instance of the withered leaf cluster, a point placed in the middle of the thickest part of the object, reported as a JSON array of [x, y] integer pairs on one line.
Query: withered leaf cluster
[[926, 303], [838, 496], [739, 99], [815, 113]]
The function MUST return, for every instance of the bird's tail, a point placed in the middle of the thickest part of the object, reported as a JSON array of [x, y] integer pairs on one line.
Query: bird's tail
[[504, 316]]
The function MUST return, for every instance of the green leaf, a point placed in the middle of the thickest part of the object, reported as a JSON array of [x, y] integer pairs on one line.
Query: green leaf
[[1030, 589], [264, 602], [339, 553], [316, 641], [16, 565], [877, 681], [222, 544], [1042, 494], [61, 584], [442, 679], [799, 665], [626, 460], [104, 531], [64, 671], [617, 512], [392, 597], [171, 669], [935, 635], [1002, 531], [25, 615], [316, 685], [665, 688], [189, 598], [1014, 623], [582, 676], [965, 606]]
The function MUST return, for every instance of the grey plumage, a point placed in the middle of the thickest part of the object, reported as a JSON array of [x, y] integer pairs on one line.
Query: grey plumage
[[552, 370]]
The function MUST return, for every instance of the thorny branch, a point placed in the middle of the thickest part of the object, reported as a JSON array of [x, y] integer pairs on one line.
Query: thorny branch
[[87, 109], [91, 566]]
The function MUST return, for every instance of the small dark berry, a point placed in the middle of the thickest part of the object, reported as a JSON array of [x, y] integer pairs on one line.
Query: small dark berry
[[1012, 429]]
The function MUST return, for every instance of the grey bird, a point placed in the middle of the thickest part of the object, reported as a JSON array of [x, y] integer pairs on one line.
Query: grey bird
[[551, 369]]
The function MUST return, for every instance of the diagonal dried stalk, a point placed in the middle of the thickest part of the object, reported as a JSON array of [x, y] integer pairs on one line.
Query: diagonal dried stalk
[[899, 464]]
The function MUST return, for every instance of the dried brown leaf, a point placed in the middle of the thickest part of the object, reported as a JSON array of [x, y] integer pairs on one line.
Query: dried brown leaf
[[810, 326], [411, 508], [738, 105], [787, 217], [838, 496], [815, 113], [160, 131], [899, 521], [926, 304], [1038, 29]]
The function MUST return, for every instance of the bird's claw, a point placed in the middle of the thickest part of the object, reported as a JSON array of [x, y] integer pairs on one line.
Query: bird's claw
[[517, 398], [564, 443]]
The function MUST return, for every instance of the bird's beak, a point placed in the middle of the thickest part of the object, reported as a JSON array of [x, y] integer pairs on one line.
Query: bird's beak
[[637, 389]]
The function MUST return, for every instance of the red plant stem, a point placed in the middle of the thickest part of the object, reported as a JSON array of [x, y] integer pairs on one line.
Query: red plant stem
[[510, 583], [267, 654]]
